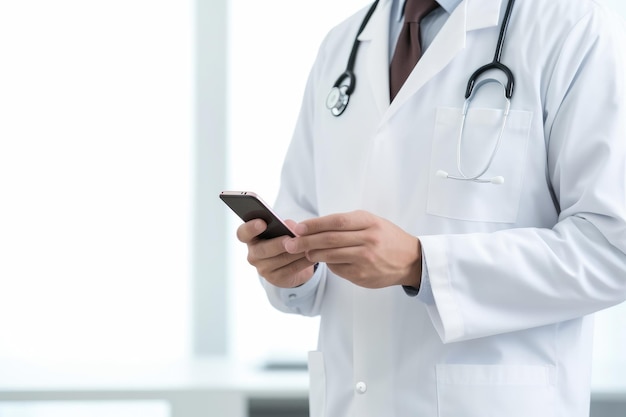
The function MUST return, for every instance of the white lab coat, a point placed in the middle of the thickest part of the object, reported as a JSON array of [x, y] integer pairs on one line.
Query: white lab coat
[[516, 269]]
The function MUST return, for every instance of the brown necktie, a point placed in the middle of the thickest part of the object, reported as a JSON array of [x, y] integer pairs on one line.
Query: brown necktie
[[408, 49]]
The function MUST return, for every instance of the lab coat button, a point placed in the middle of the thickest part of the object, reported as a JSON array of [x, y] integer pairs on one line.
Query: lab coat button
[[360, 387], [292, 296]]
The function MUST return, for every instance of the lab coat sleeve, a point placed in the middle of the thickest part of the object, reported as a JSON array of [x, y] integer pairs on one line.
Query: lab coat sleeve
[[302, 300], [491, 283]]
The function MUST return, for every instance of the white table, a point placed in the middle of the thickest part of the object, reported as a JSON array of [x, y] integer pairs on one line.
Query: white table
[[195, 388]]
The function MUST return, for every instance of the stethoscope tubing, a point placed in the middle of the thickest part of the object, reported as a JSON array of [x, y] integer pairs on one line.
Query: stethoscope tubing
[[355, 48], [459, 163], [339, 96], [497, 59]]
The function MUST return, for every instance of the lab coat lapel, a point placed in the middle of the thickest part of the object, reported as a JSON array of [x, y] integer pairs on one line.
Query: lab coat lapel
[[375, 37], [469, 15]]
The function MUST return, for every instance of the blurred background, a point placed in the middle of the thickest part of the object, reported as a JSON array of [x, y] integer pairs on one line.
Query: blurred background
[[120, 123]]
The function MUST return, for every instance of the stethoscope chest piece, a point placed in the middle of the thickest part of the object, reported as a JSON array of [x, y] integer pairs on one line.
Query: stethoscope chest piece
[[337, 100], [339, 95]]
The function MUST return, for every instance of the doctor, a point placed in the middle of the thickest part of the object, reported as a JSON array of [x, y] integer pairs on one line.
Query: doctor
[[456, 257]]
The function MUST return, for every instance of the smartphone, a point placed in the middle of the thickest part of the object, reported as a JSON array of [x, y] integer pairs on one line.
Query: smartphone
[[249, 205]]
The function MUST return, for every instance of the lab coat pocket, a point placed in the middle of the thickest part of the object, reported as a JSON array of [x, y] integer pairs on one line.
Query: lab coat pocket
[[513, 390], [470, 200], [317, 384]]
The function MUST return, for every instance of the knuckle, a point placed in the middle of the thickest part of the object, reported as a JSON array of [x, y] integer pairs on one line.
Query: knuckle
[[285, 258], [311, 256], [264, 272], [362, 213], [368, 257], [359, 273], [341, 221], [241, 235], [251, 258], [373, 240], [332, 239], [257, 250]]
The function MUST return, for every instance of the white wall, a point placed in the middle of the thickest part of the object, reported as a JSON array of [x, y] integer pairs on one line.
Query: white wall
[[96, 136]]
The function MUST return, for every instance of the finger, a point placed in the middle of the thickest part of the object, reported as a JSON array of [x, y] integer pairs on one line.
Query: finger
[[326, 240], [286, 271], [274, 263], [355, 220], [267, 248], [344, 255], [290, 223], [251, 229]]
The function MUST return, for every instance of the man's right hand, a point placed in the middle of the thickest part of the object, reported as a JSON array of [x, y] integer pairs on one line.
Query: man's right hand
[[270, 259]]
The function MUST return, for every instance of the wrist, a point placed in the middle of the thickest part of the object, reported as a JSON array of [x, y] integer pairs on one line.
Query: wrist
[[413, 278]]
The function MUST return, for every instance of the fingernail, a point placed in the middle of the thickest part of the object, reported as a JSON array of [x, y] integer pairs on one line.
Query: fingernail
[[301, 228], [290, 245]]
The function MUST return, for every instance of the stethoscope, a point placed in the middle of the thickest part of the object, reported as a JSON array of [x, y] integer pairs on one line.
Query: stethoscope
[[339, 95]]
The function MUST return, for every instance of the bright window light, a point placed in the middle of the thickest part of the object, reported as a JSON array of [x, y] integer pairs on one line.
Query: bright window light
[[96, 137]]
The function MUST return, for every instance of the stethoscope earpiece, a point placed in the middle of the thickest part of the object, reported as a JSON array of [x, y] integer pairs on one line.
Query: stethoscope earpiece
[[442, 174], [497, 180]]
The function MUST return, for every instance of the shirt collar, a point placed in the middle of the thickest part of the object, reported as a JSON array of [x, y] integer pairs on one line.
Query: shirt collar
[[447, 5]]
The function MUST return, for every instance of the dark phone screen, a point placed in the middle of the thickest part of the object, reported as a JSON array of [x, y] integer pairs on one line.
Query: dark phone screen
[[248, 207]]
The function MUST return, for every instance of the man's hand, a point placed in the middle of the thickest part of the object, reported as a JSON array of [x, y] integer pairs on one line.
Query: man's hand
[[360, 247], [269, 257]]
